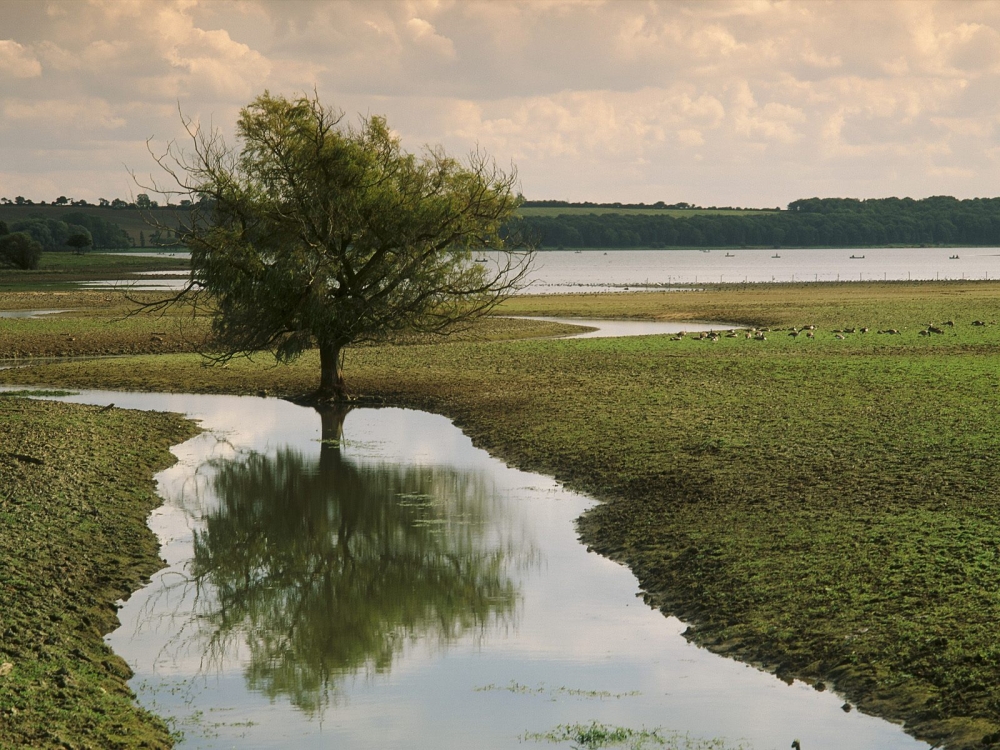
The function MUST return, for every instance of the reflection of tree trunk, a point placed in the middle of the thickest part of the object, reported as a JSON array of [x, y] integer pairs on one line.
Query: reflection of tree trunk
[[331, 379], [332, 430]]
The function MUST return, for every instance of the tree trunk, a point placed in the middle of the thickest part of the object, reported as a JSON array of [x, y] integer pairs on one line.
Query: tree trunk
[[331, 379]]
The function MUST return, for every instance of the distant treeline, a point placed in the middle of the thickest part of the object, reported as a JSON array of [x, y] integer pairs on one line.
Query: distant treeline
[[111, 227], [812, 222], [659, 204], [53, 234]]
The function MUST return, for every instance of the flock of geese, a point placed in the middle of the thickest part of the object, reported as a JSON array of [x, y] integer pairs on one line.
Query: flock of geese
[[810, 331]]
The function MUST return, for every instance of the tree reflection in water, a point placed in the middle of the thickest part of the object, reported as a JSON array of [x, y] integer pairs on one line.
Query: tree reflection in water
[[328, 568]]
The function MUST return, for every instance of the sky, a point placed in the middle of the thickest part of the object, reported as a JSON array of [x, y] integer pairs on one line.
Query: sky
[[729, 103]]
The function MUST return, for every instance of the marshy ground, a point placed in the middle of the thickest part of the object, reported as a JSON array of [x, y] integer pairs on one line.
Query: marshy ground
[[825, 507]]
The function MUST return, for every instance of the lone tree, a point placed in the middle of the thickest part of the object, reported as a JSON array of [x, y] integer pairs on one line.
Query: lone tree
[[79, 242], [318, 233]]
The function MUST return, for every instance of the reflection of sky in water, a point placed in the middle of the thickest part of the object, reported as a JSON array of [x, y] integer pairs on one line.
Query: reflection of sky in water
[[620, 328], [578, 624], [598, 270], [562, 271], [28, 313]]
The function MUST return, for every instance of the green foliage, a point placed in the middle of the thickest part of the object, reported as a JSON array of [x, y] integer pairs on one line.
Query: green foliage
[[104, 233], [79, 242], [327, 234], [19, 250], [48, 233], [833, 222]]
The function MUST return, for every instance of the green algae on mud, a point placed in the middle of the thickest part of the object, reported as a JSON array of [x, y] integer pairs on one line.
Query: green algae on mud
[[824, 508], [75, 491]]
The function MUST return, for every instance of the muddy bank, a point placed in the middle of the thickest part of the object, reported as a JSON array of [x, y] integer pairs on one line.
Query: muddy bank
[[76, 488]]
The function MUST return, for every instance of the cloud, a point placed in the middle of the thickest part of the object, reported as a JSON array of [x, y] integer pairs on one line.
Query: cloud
[[70, 114], [734, 100], [424, 34], [16, 61]]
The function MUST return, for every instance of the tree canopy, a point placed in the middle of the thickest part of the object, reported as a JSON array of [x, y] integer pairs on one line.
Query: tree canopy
[[19, 250], [319, 233]]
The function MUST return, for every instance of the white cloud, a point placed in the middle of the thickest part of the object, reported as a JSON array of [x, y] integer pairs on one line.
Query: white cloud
[[16, 61], [424, 34]]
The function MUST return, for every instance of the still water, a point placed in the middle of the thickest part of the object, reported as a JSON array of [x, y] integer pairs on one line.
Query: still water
[[29, 313], [369, 578], [562, 271], [598, 270]]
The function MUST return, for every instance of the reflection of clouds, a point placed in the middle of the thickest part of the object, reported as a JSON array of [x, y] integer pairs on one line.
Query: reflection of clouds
[[416, 437]]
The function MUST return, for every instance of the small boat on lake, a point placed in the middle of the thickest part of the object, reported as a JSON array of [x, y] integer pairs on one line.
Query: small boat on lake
[[858, 257], [730, 255], [952, 257], [775, 256], [482, 260]]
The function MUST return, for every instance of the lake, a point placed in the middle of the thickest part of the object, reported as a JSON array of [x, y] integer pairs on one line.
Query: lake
[[369, 578], [563, 271], [611, 270]]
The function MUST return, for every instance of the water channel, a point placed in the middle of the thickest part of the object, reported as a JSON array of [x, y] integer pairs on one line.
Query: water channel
[[369, 578]]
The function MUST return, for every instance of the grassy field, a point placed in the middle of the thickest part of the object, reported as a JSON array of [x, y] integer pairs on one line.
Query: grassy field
[[824, 507]]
